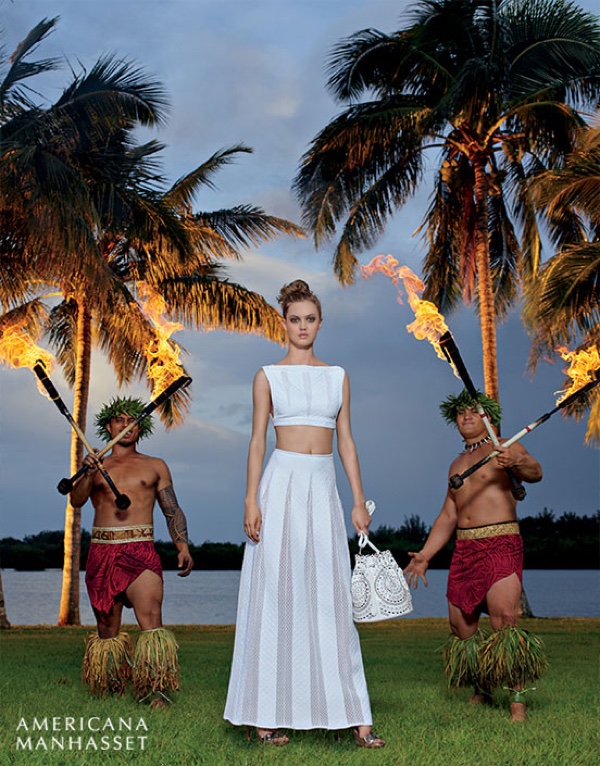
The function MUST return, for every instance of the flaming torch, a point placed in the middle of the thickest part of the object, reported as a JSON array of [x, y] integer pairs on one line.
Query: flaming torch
[[581, 363], [430, 325], [161, 353], [584, 365], [122, 501], [164, 370], [18, 349]]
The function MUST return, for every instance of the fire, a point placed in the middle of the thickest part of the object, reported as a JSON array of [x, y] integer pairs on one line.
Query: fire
[[429, 324], [162, 354], [582, 368], [18, 349]]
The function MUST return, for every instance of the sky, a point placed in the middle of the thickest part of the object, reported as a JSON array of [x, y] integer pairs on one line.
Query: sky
[[253, 72]]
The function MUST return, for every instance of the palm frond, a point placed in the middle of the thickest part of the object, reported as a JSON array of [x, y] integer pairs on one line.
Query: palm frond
[[566, 297], [210, 303], [369, 147], [245, 226], [184, 190], [62, 333], [31, 316], [119, 90], [13, 97]]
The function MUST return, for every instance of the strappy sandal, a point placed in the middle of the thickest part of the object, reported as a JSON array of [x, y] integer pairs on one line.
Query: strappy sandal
[[370, 740], [270, 737]]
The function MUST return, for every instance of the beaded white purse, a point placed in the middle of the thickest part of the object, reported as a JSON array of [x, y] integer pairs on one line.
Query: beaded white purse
[[379, 590]]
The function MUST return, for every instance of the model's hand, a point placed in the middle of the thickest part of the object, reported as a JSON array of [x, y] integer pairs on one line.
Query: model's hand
[[185, 562], [253, 522], [416, 568], [361, 519]]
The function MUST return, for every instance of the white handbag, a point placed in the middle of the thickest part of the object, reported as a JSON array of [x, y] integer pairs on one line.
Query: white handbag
[[379, 590]]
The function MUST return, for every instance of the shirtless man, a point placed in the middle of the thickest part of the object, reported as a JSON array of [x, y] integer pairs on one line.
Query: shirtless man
[[123, 567], [487, 564]]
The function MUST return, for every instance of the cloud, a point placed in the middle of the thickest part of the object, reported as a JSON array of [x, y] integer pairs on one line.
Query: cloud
[[254, 72]]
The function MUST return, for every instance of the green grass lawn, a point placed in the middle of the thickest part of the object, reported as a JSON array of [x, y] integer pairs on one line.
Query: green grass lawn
[[423, 723]]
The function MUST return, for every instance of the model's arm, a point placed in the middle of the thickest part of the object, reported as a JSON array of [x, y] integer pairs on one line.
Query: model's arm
[[81, 492], [349, 457], [261, 407], [524, 465], [175, 518], [441, 532]]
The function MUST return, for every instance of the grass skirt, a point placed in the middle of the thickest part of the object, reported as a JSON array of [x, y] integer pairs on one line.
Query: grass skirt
[[155, 666], [511, 657], [462, 660], [107, 664]]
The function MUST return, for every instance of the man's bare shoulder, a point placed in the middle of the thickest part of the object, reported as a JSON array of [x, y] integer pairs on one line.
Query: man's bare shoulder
[[460, 460], [157, 462]]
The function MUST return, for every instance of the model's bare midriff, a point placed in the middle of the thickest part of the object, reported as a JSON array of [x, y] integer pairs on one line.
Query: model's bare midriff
[[485, 496], [136, 477], [308, 440]]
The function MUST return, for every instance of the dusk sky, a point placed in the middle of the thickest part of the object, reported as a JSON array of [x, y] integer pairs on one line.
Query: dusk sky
[[252, 72]]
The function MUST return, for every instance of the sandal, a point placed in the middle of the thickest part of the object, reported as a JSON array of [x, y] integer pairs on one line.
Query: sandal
[[269, 737], [370, 740]]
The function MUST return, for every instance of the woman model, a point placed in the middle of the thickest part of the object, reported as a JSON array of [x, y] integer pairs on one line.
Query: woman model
[[297, 662]]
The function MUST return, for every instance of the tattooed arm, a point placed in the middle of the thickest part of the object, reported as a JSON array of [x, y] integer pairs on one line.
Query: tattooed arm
[[176, 523]]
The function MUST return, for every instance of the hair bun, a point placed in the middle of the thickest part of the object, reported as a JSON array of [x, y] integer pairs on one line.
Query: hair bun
[[296, 291], [295, 288]]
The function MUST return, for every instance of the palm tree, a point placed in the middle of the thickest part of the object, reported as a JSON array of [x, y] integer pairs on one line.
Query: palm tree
[[4, 623], [493, 88], [563, 306], [75, 164]]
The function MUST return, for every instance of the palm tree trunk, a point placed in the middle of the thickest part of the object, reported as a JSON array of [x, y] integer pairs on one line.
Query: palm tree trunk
[[485, 292], [4, 623], [69, 601]]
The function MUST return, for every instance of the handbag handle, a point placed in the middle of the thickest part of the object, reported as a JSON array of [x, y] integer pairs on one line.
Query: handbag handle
[[363, 539]]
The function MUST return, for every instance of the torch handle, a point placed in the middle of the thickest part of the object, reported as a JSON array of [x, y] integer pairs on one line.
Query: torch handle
[[453, 355], [457, 480], [181, 382], [122, 500]]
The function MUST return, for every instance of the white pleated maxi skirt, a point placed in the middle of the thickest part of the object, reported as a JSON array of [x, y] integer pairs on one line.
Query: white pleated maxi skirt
[[297, 662]]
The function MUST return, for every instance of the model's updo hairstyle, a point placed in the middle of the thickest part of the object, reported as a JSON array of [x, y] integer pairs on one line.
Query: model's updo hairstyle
[[295, 291]]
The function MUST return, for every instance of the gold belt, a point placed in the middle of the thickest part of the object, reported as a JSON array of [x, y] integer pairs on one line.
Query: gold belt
[[139, 533], [492, 530]]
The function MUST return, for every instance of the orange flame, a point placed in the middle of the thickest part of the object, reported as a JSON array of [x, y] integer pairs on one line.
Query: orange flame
[[429, 324], [162, 354], [582, 366], [18, 349]]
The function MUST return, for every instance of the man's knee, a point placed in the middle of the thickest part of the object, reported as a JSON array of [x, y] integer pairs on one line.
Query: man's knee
[[462, 625], [504, 617]]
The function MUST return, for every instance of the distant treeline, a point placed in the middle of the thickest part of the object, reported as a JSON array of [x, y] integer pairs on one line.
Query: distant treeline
[[567, 542]]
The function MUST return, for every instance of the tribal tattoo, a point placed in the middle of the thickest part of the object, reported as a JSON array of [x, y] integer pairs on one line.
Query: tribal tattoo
[[176, 521]]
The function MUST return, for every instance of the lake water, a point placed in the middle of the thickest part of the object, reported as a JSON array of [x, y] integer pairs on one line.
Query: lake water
[[210, 598]]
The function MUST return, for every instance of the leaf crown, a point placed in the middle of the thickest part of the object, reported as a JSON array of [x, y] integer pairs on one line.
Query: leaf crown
[[123, 405], [452, 405]]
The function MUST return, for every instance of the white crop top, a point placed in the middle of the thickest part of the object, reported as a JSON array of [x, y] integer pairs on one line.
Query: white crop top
[[305, 395]]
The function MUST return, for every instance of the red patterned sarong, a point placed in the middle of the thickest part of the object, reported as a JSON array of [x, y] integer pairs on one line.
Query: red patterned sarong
[[111, 569], [477, 564]]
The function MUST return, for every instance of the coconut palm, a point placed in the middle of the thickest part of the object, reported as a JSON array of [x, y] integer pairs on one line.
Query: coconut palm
[[4, 622], [493, 89], [562, 308], [89, 221]]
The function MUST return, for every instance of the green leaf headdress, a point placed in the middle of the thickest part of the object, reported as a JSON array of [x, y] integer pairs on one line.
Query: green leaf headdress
[[122, 405], [451, 406]]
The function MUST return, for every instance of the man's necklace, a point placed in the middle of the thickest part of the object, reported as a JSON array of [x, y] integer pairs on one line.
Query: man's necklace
[[473, 447]]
